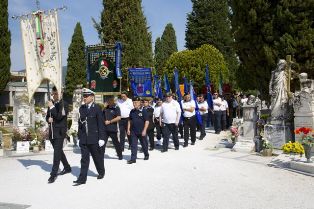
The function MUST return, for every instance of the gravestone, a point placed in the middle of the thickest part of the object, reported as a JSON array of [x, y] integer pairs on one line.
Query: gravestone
[[304, 104], [277, 135], [23, 111], [247, 131]]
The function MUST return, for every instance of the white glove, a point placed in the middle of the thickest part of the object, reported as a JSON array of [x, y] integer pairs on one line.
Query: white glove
[[101, 143]]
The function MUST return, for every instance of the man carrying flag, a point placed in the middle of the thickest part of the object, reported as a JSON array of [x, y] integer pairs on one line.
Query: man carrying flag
[[209, 96]]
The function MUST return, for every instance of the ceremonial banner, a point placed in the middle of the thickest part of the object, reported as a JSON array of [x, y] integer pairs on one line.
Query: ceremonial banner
[[141, 81], [41, 42]]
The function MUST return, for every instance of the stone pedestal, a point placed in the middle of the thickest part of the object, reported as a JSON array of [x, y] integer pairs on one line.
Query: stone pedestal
[[247, 130], [7, 141]]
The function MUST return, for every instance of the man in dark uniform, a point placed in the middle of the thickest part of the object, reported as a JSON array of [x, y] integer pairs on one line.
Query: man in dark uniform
[[150, 129], [137, 127], [112, 115], [91, 133], [57, 120]]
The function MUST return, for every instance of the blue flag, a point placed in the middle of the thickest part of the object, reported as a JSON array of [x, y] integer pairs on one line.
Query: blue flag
[[186, 85], [197, 110], [158, 90], [166, 84], [118, 49], [178, 92], [209, 94]]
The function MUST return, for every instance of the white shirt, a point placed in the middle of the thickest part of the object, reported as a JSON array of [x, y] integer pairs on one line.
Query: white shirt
[[188, 105], [170, 112], [125, 107], [203, 104], [157, 111], [217, 103], [224, 105]]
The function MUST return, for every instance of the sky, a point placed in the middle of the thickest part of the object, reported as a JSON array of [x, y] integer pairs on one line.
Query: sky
[[158, 13]]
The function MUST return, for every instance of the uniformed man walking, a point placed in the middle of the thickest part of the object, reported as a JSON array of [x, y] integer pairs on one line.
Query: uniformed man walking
[[170, 114], [151, 126], [156, 120], [91, 133], [137, 127], [57, 120], [112, 115], [189, 122]]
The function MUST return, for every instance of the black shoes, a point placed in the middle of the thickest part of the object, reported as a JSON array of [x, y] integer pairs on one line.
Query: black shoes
[[146, 157], [152, 148], [185, 145], [177, 148], [52, 179], [131, 161], [192, 143], [100, 176], [164, 150], [65, 171], [78, 182], [120, 157]]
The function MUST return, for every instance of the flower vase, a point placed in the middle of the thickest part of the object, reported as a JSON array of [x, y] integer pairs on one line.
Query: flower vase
[[36, 149], [267, 152], [307, 153]]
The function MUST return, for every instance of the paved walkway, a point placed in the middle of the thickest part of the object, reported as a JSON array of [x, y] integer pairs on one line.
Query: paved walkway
[[193, 177]]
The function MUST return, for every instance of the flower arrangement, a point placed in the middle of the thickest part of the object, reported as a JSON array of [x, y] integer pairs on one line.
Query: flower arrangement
[[35, 142], [42, 134], [21, 135], [307, 136], [234, 133], [293, 147], [266, 144]]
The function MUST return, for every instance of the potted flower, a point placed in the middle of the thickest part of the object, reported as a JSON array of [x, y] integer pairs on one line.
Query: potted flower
[[307, 140], [267, 148], [293, 148], [35, 143], [234, 133]]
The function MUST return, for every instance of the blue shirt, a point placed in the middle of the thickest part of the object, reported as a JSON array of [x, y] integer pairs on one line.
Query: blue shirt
[[137, 118]]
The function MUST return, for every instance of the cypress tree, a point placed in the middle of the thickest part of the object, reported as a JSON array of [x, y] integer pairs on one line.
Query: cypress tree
[[123, 20], [158, 56], [165, 47], [76, 68], [5, 43], [209, 23], [266, 31]]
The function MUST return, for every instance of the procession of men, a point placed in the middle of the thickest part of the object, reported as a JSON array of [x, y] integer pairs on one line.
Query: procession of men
[[137, 120]]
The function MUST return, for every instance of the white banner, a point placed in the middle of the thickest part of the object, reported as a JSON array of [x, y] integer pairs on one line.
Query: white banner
[[40, 35]]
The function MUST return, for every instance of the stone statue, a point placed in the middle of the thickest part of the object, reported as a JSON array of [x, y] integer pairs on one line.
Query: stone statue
[[278, 89]]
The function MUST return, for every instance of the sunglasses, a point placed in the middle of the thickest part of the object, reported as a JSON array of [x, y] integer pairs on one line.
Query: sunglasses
[[85, 96]]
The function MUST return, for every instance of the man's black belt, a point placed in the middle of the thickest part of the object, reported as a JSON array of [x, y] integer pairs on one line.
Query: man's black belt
[[124, 118], [188, 118]]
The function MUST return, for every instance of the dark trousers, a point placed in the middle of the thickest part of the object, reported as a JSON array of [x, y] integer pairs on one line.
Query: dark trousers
[[123, 126], [217, 121], [150, 135], [96, 152], [115, 141], [167, 130], [224, 120], [158, 129], [180, 126], [58, 155], [144, 144], [189, 125], [202, 128]]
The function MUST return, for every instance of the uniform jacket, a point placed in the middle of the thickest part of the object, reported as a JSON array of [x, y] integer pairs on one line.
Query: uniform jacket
[[91, 118], [59, 125]]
